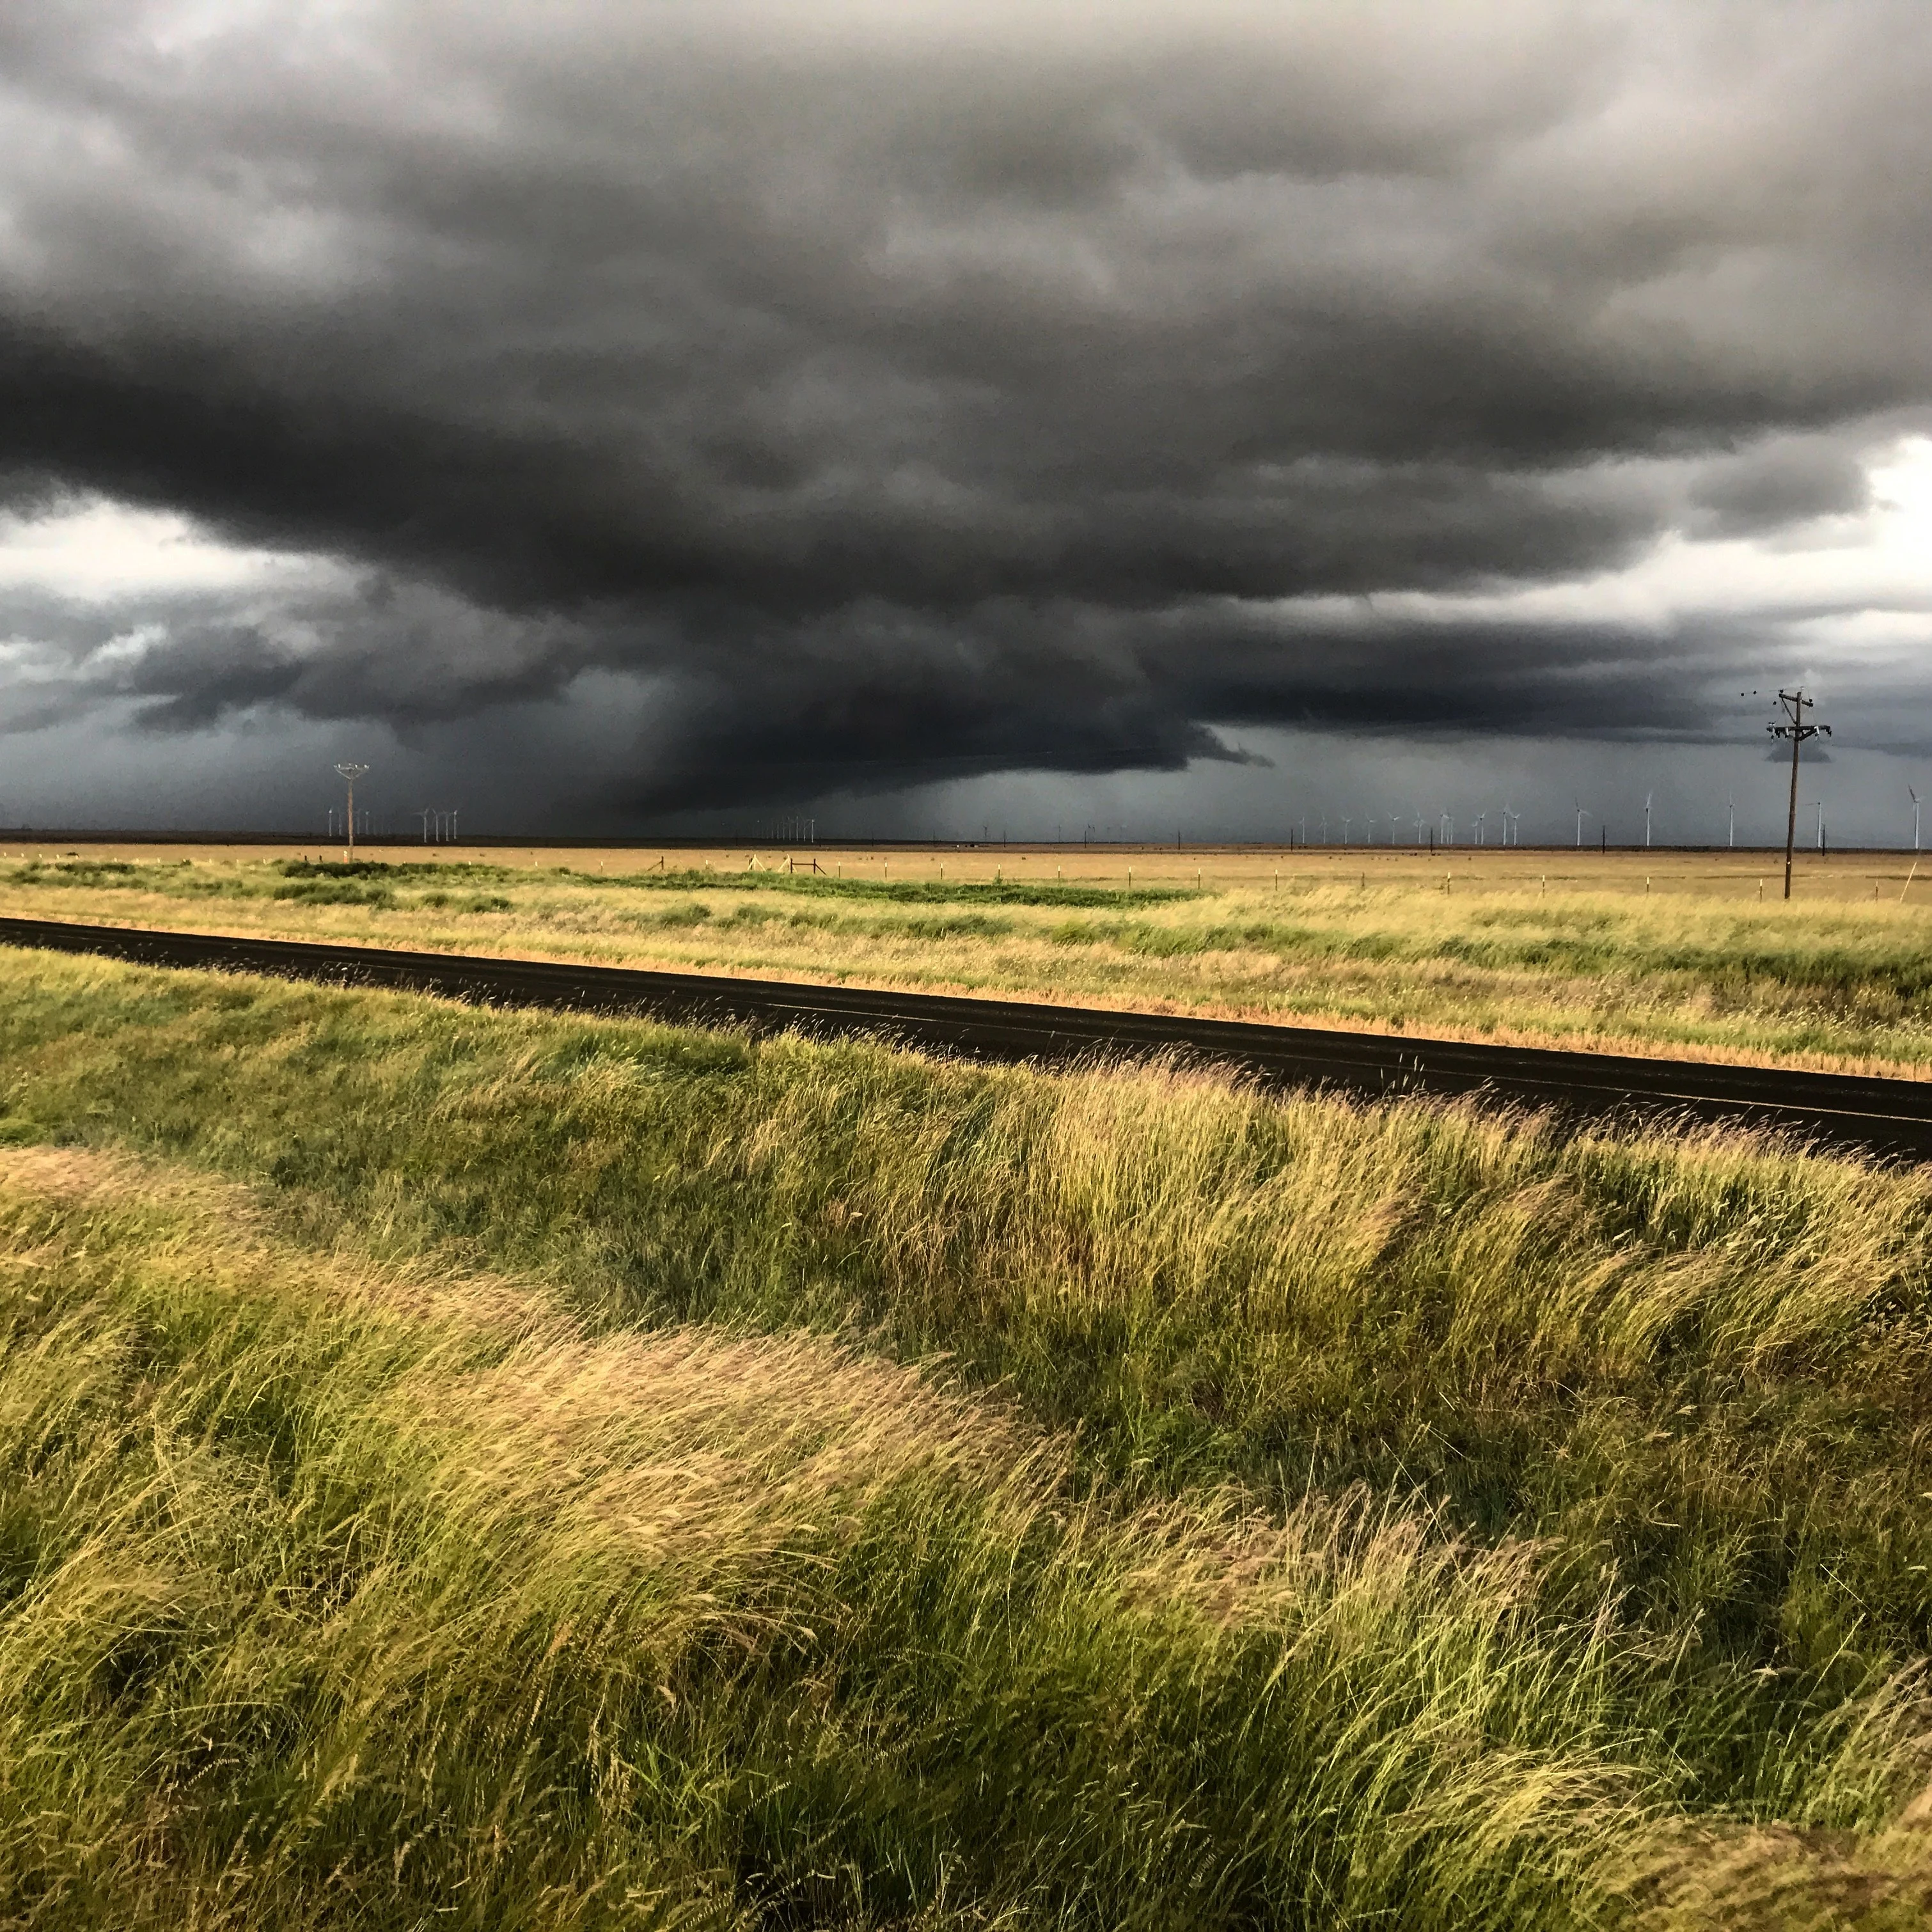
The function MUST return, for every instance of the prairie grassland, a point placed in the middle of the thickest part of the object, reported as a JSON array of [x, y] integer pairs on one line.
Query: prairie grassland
[[336, 1599], [1658, 953], [546, 1471]]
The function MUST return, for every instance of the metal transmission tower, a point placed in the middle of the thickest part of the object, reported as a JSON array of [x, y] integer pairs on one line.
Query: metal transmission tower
[[349, 774], [1796, 704]]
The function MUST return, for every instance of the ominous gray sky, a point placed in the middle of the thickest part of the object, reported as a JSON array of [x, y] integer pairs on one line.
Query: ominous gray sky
[[628, 415]]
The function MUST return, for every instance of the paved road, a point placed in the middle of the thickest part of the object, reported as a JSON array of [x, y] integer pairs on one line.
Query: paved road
[[1888, 1117]]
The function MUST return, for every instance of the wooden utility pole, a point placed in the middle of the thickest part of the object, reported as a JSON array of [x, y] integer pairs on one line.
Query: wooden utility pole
[[1795, 705], [350, 773]]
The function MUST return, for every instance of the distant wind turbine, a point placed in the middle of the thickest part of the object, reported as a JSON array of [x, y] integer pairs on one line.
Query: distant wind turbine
[[1512, 822], [1731, 806], [1480, 816], [1581, 815], [1647, 797], [1346, 822], [1915, 818]]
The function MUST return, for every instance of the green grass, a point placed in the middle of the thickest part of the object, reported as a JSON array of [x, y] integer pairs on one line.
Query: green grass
[[335, 1597], [811, 1485], [1703, 969], [969, 893], [310, 876]]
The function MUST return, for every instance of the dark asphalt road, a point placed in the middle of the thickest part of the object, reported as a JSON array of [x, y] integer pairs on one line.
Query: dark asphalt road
[[1888, 1116]]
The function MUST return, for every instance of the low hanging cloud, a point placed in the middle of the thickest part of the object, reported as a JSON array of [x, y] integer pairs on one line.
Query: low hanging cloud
[[895, 395]]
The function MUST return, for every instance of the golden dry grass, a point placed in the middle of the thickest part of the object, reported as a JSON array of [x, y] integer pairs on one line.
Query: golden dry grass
[[527, 1470], [326, 1609], [1670, 953]]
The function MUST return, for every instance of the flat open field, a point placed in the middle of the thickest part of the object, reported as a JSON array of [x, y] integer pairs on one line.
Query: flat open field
[[1691, 953], [518, 1471]]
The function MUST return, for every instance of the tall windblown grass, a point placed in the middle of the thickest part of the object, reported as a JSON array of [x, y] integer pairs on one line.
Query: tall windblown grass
[[331, 1599], [1652, 1405]]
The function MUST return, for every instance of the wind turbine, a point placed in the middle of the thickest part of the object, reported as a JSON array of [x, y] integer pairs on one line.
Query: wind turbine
[[1820, 804], [1421, 828], [1647, 798], [1731, 806], [1915, 818], [1448, 828], [1480, 816], [1325, 828], [1512, 819], [1346, 822], [1581, 815]]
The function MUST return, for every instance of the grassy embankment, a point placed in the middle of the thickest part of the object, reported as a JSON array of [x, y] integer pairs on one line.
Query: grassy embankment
[[1591, 958], [519, 1471]]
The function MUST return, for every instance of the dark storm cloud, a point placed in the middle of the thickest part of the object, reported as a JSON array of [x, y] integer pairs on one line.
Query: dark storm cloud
[[908, 393], [1791, 481]]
